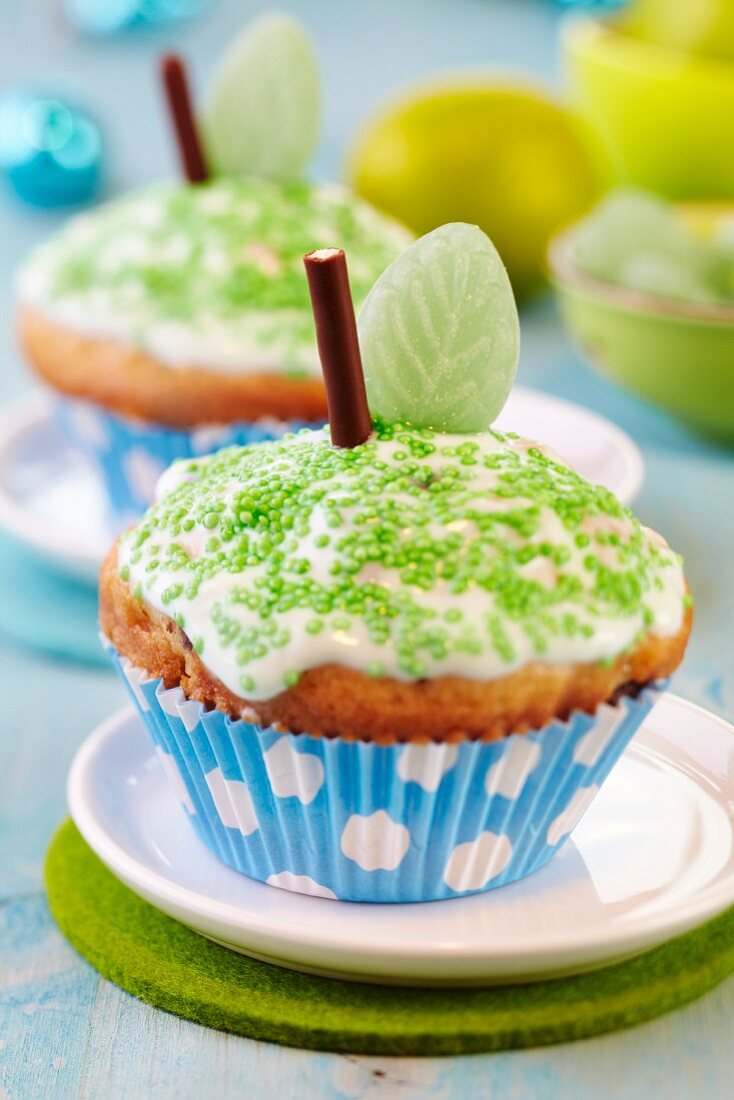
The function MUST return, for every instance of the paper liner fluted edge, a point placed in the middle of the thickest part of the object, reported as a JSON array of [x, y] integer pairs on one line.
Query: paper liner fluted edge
[[381, 823]]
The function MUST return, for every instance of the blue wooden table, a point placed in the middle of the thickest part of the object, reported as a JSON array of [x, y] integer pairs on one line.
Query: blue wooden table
[[63, 1031]]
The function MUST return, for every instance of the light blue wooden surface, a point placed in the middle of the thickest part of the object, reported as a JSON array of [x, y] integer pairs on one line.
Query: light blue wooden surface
[[64, 1032]]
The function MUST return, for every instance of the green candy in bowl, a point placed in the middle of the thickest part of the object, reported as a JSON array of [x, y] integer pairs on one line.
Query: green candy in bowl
[[660, 319]]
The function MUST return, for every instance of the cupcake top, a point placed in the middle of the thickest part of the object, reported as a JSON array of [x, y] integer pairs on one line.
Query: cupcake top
[[207, 276], [416, 554], [425, 544]]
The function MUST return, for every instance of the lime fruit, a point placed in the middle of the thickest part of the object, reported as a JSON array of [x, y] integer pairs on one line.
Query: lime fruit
[[440, 335], [506, 158]]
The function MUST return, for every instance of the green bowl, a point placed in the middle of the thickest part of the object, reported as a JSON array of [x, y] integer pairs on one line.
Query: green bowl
[[665, 116], [679, 355]]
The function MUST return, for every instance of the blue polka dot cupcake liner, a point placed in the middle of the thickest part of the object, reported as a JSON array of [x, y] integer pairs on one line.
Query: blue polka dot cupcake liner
[[364, 822], [130, 455]]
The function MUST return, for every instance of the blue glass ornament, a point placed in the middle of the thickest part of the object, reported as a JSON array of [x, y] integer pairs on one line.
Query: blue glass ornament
[[50, 151], [106, 17]]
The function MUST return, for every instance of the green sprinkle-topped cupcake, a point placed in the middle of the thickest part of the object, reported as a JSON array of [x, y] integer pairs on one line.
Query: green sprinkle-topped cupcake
[[450, 626], [416, 555], [207, 277], [178, 317]]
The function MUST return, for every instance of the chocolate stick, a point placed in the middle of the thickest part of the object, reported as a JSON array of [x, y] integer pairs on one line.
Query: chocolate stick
[[176, 85], [336, 335]]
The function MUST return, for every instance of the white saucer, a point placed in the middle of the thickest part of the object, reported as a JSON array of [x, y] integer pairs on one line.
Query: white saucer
[[51, 499], [653, 858]]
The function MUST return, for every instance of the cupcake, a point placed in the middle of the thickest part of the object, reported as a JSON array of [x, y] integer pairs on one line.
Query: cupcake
[[177, 319], [394, 659]]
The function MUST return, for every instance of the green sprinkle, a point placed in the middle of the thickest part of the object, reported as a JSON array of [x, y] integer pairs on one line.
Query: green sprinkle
[[172, 592], [227, 251], [416, 524], [499, 638]]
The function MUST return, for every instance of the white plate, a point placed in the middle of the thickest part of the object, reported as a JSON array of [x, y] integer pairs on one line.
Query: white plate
[[653, 858], [595, 447], [51, 499]]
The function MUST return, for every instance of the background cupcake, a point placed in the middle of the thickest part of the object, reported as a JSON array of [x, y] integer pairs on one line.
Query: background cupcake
[[398, 664], [177, 319]]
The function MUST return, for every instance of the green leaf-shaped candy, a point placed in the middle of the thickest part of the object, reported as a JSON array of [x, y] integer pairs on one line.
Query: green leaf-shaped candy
[[439, 333], [264, 111]]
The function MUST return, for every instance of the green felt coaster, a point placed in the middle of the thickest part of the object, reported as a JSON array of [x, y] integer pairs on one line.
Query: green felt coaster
[[43, 610], [167, 965]]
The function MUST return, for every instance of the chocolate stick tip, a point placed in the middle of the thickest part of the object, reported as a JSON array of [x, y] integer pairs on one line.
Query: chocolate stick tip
[[178, 98], [170, 62], [323, 255], [350, 422]]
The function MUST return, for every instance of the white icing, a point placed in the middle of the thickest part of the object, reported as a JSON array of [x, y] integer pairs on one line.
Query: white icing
[[353, 647], [120, 310]]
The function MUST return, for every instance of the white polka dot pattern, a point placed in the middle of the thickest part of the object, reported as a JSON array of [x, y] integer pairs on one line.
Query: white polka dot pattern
[[300, 884], [293, 774], [590, 747], [130, 455], [375, 842], [474, 863], [569, 818], [232, 802], [426, 765], [142, 472], [364, 822], [509, 775]]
